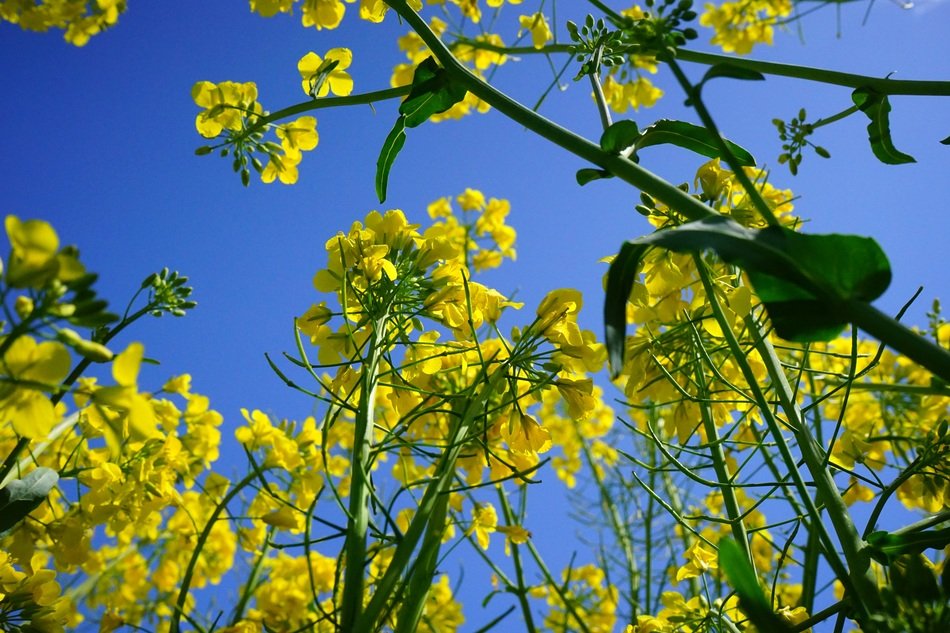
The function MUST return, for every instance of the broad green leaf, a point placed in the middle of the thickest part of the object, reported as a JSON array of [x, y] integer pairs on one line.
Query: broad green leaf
[[912, 578], [804, 281], [742, 577], [692, 137], [885, 547], [619, 136], [732, 71], [391, 147], [945, 141], [876, 106], [623, 272], [432, 92], [586, 175], [21, 496]]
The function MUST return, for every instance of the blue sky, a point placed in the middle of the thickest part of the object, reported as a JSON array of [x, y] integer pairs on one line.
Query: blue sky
[[100, 141]]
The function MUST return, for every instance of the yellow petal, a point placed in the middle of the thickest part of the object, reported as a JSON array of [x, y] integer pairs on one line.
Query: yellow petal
[[125, 367]]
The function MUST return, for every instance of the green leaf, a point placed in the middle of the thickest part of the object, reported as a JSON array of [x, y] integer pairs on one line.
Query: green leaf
[[432, 92], [885, 547], [742, 577], [876, 106], [623, 272], [692, 137], [912, 579], [21, 496], [387, 155], [586, 175], [732, 71], [804, 281], [945, 141], [619, 136]]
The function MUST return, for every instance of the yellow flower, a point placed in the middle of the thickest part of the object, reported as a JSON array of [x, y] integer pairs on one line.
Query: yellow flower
[[33, 368], [35, 257], [322, 14], [270, 8], [526, 435], [321, 76], [298, 136], [513, 534], [632, 94], [700, 560], [484, 522], [138, 417], [537, 24], [226, 105], [283, 167]]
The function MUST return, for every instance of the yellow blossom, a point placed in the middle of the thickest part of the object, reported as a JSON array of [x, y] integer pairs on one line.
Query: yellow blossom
[[317, 78]]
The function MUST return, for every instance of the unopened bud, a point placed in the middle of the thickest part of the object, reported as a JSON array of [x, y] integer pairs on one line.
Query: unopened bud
[[23, 306]]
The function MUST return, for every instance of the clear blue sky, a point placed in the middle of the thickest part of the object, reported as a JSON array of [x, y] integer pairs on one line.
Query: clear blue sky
[[99, 141]]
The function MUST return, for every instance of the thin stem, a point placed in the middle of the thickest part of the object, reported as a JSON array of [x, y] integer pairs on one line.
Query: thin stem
[[775, 430], [521, 590], [599, 90], [849, 80], [332, 102], [695, 98], [179, 609], [835, 117], [718, 455]]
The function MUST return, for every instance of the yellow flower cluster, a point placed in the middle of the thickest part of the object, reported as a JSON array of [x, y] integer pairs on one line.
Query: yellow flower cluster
[[233, 114], [741, 25], [30, 598], [325, 14], [592, 600], [79, 18]]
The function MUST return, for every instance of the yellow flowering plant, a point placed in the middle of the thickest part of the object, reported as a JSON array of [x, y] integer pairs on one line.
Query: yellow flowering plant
[[723, 443]]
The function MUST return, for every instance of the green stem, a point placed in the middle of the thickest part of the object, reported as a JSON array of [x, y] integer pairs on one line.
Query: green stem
[[619, 528], [925, 88], [765, 408], [718, 455], [180, 603], [420, 581], [854, 548], [835, 117], [599, 90], [521, 591], [332, 102], [892, 333], [621, 167], [438, 486], [695, 98], [358, 520], [849, 80]]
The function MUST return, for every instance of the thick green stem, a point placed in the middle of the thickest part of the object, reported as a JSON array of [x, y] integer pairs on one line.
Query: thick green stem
[[853, 546], [414, 598], [890, 332], [765, 408], [438, 486], [358, 521], [621, 167]]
